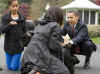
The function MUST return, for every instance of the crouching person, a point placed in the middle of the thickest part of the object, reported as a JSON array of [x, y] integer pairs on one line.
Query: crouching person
[[37, 58], [77, 35]]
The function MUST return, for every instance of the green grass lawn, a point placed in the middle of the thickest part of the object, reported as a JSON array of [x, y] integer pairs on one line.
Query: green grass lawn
[[96, 40]]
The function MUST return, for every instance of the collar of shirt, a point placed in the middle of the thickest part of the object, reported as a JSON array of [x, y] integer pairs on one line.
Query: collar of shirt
[[74, 25]]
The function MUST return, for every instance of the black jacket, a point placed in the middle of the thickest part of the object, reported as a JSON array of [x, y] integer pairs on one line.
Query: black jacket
[[46, 37], [13, 34]]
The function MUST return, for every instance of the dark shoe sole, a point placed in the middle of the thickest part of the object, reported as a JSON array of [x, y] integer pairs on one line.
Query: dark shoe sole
[[1, 69]]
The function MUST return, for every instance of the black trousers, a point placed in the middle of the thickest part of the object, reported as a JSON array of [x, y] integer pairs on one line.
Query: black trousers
[[87, 54], [86, 51], [69, 59]]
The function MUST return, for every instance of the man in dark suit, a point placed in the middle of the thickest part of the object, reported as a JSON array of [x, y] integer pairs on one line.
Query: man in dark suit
[[79, 40]]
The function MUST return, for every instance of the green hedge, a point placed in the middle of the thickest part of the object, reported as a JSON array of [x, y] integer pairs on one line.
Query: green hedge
[[94, 30]]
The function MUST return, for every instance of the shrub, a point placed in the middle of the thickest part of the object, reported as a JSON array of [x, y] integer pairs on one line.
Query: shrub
[[94, 30]]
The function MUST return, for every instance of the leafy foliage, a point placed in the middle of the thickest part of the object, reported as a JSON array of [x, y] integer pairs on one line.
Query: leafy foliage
[[3, 5], [24, 9], [96, 2], [94, 30], [38, 6]]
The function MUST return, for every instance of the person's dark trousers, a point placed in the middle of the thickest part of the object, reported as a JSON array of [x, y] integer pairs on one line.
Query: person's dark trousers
[[87, 60], [68, 60], [13, 61], [1, 69]]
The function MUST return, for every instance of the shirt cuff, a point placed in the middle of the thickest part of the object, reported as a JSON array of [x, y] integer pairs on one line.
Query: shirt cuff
[[71, 42]]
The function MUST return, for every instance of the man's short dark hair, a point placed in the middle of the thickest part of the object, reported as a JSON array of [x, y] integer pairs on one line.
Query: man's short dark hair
[[76, 12]]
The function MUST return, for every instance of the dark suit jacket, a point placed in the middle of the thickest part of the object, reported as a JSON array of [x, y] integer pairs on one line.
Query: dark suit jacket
[[80, 36]]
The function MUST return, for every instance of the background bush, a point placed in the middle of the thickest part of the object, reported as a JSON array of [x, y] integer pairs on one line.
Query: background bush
[[94, 30]]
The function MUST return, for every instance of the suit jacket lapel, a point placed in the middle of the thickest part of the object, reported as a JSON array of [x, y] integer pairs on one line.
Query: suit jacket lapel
[[76, 28]]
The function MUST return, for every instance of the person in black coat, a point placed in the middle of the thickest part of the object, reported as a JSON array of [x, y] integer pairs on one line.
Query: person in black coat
[[79, 41], [13, 25], [37, 58]]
